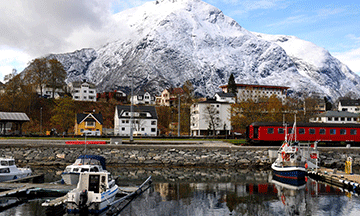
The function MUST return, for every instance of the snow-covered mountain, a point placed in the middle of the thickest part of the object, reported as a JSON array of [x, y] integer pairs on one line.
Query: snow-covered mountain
[[171, 41]]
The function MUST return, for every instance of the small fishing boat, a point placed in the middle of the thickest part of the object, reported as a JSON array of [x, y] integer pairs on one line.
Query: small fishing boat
[[93, 194], [290, 163], [9, 171], [84, 163], [293, 158]]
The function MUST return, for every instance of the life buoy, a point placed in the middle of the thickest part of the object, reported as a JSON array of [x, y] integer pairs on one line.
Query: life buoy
[[287, 157], [283, 199]]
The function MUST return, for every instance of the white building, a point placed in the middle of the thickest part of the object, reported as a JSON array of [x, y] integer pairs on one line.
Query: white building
[[336, 117], [225, 97], [83, 91], [199, 120], [47, 92], [144, 117], [143, 98], [245, 91], [349, 105]]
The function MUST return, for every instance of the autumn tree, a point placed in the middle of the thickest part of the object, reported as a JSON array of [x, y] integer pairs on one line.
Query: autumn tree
[[56, 76], [188, 95], [12, 96], [38, 73], [64, 113]]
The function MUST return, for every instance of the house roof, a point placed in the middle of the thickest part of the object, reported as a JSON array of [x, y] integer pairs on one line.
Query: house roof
[[212, 101], [80, 117], [338, 114], [149, 109], [258, 86], [349, 102], [77, 84], [176, 91], [223, 94], [13, 117]]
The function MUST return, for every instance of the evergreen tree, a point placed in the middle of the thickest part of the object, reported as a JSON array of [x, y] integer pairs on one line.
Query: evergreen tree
[[232, 85]]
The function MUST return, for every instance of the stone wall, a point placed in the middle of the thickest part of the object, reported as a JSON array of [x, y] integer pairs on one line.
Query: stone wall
[[42, 154]]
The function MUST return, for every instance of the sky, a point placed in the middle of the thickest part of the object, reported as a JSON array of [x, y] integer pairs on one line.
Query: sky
[[34, 28]]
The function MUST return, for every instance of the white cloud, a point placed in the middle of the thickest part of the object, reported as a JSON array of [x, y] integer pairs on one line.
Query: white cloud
[[350, 58], [12, 59]]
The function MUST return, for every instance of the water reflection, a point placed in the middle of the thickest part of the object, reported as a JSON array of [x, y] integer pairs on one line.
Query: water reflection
[[182, 191]]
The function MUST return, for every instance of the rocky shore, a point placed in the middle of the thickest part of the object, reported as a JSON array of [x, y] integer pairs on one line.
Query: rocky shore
[[212, 154]]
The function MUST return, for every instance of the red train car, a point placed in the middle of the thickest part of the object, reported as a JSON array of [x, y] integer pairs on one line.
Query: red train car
[[270, 132]]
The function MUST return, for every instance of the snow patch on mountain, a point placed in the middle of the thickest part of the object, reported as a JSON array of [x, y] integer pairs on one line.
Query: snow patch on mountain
[[170, 41]]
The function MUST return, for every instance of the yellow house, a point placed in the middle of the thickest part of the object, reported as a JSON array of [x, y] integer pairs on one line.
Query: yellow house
[[89, 123]]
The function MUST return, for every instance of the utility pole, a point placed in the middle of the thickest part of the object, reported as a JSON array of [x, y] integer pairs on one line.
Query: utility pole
[[132, 107], [40, 121], [179, 116]]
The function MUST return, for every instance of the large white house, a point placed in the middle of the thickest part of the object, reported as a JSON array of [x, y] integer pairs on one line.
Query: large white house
[[349, 105], [144, 118], [203, 113], [83, 91], [246, 91]]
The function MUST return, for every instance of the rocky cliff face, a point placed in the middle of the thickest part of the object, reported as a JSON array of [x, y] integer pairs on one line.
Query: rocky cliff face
[[171, 41]]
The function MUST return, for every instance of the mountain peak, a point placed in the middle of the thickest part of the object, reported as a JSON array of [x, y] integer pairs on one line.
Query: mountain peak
[[172, 41]]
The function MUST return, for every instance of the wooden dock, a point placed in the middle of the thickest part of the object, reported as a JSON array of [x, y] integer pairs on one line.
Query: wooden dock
[[350, 182]]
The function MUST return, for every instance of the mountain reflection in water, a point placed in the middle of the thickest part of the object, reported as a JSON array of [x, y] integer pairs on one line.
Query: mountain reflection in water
[[195, 191]]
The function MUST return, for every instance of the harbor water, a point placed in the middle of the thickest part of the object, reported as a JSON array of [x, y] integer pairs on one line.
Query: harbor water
[[210, 191]]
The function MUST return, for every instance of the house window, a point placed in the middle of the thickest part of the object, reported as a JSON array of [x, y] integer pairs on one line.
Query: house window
[[301, 131], [342, 131], [76, 97], [311, 131], [348, 119], [332, 131], [84, 91], [281, 131], [91, 92], [342, 119], [153, 129], [352, 131], [123, 129], [322, 131], [142, 129], [336, 119], [123, 121], [329, 119], [90, 124], [153, 122], [81, 130], [270, 130]]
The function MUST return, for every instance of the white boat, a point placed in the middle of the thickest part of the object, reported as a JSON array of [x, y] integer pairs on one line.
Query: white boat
[[293, 159], [9, 171], [93, 194], [84, 163]]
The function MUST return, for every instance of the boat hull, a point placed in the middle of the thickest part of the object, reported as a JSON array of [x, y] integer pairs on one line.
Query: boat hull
[[289, 172], [15, 175]]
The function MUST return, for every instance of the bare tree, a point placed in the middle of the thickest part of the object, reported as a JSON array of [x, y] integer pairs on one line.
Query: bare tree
[[212, 117]]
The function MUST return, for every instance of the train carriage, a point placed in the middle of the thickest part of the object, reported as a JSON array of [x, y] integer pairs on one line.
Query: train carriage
[[274, 133]]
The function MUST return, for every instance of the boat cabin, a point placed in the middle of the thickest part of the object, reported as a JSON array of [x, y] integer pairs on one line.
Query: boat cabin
[[95, 182], [4, 165]]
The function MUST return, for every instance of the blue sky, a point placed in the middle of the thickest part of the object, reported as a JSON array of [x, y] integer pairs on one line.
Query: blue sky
[[31, 29]]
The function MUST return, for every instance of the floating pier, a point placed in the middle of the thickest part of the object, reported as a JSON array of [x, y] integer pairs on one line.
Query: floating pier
[[351, 182]]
